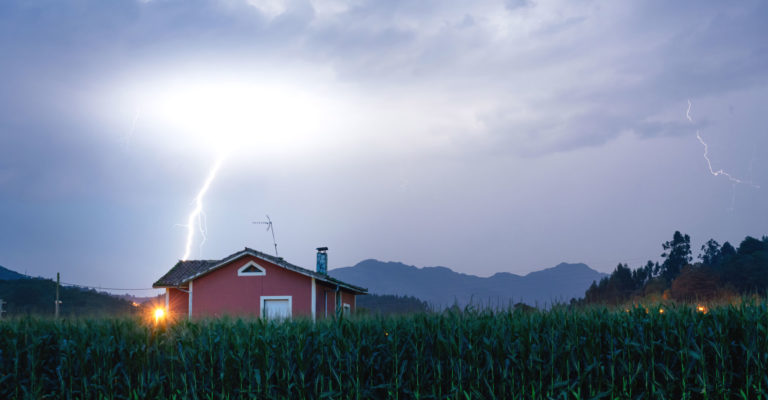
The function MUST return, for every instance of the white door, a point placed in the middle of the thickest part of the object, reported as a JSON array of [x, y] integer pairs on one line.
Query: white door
[[276, 308]]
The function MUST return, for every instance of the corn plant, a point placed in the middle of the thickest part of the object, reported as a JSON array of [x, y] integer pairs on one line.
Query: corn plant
[[660, 351]]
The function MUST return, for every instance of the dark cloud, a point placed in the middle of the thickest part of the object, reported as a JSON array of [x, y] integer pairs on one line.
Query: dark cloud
[[515, 4], [531, 118]]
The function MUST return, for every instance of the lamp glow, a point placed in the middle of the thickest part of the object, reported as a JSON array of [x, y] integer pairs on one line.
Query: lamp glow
[[159, 315]]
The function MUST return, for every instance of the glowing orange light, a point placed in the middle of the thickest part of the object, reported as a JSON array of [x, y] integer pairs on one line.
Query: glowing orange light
[[135, 304], [701, 309], [661, 311], [159, 314]]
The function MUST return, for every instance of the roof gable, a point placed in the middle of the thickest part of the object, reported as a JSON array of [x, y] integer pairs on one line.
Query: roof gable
[[185, 271]]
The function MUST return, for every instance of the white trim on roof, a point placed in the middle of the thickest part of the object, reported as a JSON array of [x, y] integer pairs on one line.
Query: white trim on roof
[[256, 254], [260, 270]]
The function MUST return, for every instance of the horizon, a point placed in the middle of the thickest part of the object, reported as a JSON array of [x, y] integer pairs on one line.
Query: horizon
[[498, 136]]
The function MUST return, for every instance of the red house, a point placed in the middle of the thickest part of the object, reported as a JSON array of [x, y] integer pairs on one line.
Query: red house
[[252, 283]]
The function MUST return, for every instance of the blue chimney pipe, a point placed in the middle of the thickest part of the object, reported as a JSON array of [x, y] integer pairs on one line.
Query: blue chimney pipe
[[322, 260]]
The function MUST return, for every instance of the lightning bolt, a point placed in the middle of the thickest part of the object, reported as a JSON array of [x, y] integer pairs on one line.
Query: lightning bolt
[[127, 138], [195, 220], [712, 171]]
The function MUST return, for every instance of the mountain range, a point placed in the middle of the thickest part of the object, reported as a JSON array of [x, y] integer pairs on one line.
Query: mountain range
[[442, 287], [8, 275]]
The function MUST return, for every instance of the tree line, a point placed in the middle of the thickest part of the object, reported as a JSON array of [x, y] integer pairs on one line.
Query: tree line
[[387, 304], [720, 271], [36, 296]]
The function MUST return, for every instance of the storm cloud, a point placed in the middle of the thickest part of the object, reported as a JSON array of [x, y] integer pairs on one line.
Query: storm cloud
[[485, 136]]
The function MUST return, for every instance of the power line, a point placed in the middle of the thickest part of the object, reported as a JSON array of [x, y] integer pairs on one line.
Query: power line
[[105, 288], [87, 286]]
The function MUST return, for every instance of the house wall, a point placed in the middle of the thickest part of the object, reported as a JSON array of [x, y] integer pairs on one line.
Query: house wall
[[178, 303], [325, 291], [223, 292], [349, 298]]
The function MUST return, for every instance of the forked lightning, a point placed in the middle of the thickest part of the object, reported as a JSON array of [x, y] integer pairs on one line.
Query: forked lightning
[[194, 221], [712, 171]]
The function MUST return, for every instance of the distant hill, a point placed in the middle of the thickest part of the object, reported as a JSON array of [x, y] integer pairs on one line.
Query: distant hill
[[442, 287], [36, 296], [8, 275]]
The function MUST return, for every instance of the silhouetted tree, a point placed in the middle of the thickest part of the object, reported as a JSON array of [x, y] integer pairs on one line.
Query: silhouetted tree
[[622, 279], [751, 245], [747, 269], [695, 283], [617, 287], [677, 253], [642, 275], [711, 253], [727, 250], [723, 271]]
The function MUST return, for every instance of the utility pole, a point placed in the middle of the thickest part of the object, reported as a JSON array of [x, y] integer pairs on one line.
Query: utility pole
[[2, 311], [57, 295]]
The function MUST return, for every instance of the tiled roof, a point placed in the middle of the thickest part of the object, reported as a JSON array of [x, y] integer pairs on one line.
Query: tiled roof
[[185, 271], [182, 270]]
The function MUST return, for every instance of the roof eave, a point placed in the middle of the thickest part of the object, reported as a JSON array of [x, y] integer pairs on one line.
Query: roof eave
[[345, 285], [277, 261]]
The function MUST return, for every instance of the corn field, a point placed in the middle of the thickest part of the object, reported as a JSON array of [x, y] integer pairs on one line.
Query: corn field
[[564, 353]]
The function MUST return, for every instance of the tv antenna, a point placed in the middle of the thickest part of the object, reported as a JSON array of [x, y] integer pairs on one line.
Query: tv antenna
[[270, 227]]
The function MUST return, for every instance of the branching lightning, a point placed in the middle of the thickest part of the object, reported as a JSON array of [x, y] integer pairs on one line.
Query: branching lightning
[[127, 138], [712, 171], [196, 219]]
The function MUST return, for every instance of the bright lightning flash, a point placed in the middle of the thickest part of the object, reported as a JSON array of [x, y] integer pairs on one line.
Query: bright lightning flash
[[194, 220], [232, 112], [712, 171]]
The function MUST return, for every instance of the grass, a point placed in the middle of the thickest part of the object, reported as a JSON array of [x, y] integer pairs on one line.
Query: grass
[[563, 353]]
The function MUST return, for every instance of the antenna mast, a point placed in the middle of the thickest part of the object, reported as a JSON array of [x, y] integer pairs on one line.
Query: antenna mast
[[270, 227]]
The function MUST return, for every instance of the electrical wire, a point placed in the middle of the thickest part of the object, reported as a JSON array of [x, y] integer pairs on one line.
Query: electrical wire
[[86, 286]]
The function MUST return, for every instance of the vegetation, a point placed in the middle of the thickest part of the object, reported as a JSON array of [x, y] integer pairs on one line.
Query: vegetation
[[37, 296], [567, 352], [723, 272], [388, 304], [7, 274]]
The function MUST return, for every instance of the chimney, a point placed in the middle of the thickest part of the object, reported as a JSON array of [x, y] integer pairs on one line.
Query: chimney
[[322, 260]]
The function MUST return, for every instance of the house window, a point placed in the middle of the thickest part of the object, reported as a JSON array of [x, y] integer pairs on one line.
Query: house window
[[346, 310], [251, 269], [276, 307]]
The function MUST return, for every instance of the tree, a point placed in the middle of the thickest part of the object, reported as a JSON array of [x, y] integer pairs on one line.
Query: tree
[[751, 245], [618, 287], [642, 275], [727, 252], [621, 280], [711, 253], [747, 268], [748, 273], [677, 253], [695, 283]]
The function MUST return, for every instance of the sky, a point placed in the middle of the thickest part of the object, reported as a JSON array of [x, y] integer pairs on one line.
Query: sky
[[485, 136]]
